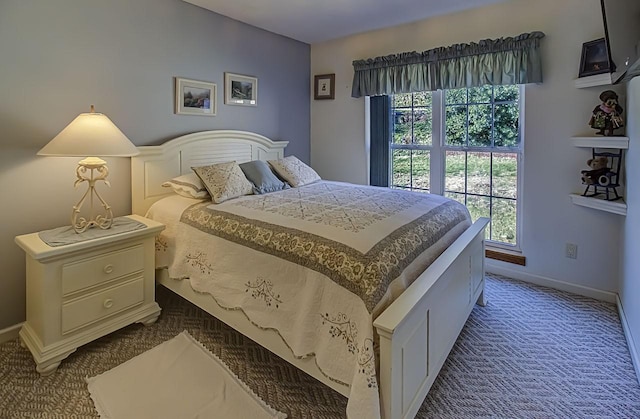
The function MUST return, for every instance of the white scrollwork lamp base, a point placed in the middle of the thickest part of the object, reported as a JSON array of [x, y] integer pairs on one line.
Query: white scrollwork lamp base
[[98, 170]]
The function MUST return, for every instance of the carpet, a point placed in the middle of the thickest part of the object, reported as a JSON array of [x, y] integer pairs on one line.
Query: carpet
[[532, 352], [179, 378]]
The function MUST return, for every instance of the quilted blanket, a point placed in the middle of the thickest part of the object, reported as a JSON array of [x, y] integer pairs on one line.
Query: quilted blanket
[[316, 264]]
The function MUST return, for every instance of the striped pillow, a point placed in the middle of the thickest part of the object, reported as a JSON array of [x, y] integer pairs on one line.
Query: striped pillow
[[188, 185]]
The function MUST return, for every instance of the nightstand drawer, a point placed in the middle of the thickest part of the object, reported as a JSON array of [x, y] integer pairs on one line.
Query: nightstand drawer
[[97, 306], [89, 272]]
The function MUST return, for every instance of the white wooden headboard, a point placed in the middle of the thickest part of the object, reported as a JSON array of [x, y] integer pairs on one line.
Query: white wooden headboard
[[157, 164]]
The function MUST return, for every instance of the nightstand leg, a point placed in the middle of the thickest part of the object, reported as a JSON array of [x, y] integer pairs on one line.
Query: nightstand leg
[[149, 320], [50, 366], [47, 370]]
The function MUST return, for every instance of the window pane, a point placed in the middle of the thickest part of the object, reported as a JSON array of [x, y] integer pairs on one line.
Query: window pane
[[506, 125], [480, 125], [456, 125], [455, 166], [401, 168], [455, 97], [422, 126], [422, 99], [478, 206], [480, 94], [421, 162], [455, 196], [479, 173], [402, 126], [505, 175], [503, 221], [402, 100], [506, 93]]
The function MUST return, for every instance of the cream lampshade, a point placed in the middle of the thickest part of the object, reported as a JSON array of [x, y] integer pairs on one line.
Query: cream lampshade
[[91, 135]]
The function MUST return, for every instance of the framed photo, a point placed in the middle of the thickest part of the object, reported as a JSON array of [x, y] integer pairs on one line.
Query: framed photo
[[324, 86], [194, 97], [595, 58], [240, 90]]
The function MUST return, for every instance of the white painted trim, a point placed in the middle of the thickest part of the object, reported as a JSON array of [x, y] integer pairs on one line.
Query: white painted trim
[[609, 297], [601, 142], [633, 351], [615, 207], [596, 80], [10, 333]]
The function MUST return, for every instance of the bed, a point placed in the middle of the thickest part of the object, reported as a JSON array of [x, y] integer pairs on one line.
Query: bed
[[413, 330]]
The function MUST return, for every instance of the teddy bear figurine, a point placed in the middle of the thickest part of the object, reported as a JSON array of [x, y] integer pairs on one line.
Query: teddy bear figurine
[[599, 168], [607, 116]]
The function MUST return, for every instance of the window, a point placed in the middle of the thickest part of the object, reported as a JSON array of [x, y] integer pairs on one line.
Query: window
[[465, 144]]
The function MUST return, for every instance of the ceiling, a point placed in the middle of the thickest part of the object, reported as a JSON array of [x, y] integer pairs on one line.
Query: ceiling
[[313, 21]]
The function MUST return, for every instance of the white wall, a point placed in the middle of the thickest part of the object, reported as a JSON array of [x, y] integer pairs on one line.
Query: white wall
[[630, 282], [555, 110]]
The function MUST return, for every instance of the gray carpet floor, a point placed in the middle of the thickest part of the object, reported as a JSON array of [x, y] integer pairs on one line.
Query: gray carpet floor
[[532, 352]]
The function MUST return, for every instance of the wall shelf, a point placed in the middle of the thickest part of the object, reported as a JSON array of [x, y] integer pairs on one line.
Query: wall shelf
[[621, 143], [592, 81], [602, 142], [616, 207]]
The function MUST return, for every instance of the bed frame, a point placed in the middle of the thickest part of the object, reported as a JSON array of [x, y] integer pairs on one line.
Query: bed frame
[[416, 332]]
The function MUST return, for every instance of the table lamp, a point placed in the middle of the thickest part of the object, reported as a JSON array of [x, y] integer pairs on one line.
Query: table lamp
[[90, 134]]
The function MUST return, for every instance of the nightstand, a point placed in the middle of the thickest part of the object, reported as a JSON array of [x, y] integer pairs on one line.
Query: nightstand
[[79, 292]]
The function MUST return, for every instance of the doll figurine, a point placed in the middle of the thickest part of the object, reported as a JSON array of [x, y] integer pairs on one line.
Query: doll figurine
[[607, 116]]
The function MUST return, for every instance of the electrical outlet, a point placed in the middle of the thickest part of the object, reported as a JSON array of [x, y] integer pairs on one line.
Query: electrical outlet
[[571, 251]]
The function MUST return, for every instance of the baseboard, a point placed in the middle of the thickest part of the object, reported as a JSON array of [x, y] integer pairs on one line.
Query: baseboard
[[597, 294], [635, 358], [10, 333]]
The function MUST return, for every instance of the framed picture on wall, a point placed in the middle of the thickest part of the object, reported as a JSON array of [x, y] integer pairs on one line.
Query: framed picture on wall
[[195, 97], [595, 59], [240, 90], [324, 86]]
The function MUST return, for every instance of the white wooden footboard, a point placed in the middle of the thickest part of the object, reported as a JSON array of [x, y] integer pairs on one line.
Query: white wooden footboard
[[419, 329]]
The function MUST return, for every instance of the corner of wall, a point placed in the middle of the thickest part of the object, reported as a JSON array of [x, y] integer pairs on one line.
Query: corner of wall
[[10, 333], [633, 350]]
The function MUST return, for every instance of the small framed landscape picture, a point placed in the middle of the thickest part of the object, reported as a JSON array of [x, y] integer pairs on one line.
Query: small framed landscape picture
[[240, 90], [595, 58], [194, 97], [324, 86]]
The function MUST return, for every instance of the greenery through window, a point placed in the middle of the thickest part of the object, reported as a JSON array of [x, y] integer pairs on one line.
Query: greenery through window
[[478, 148], [411, 142]]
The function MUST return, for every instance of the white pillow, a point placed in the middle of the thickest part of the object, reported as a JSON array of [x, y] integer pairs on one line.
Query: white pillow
[[224, 181], [295, 172], [188, 185]]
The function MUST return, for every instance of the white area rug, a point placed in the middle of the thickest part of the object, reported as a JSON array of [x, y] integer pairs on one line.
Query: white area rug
[[179, 378]]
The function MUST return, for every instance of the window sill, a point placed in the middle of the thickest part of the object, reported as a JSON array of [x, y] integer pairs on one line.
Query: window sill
[[505, 256]]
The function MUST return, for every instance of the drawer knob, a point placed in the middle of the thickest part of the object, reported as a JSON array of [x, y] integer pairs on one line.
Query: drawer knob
[[108, 269], [108, 303]]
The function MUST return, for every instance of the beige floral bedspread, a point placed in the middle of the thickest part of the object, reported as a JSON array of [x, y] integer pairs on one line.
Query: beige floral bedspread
[[315, 263]]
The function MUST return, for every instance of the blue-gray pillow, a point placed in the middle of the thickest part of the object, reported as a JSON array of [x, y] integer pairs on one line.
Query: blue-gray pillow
[[264, 181]]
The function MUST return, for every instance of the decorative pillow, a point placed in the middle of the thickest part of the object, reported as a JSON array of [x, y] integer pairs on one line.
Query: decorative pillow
[[188, 185], [224, 181], [263, 179], [294, 171]]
